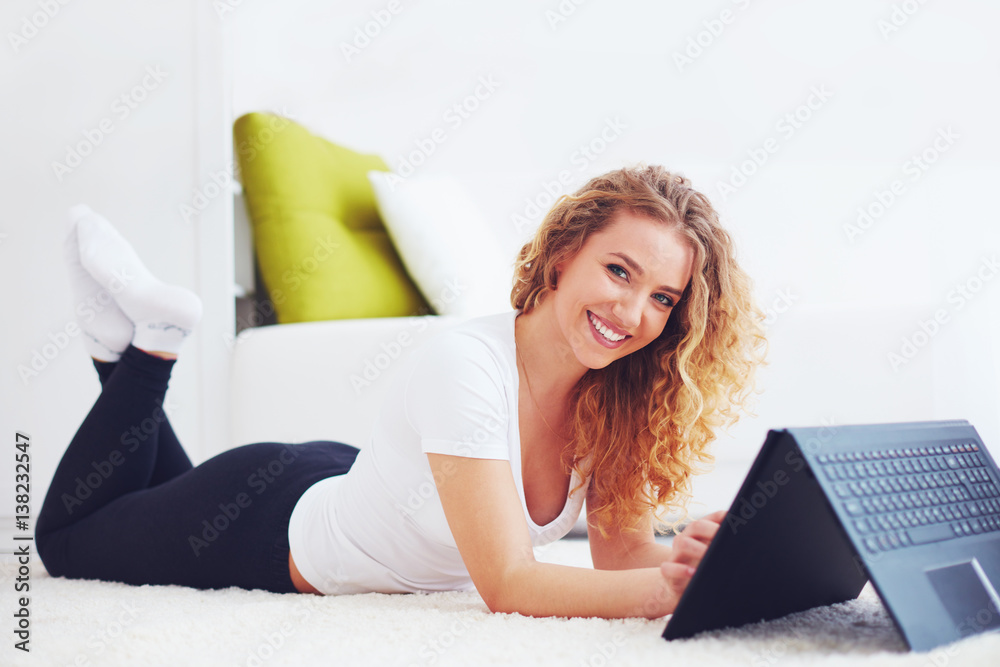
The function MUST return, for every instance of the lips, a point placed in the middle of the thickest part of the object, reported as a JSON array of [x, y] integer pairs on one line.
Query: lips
[[611, 330]]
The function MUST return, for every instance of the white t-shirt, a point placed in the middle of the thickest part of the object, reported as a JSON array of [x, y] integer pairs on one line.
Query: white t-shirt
[[381, 527]]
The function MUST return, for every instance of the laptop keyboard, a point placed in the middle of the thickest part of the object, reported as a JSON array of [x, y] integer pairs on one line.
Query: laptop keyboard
[[899, 498]]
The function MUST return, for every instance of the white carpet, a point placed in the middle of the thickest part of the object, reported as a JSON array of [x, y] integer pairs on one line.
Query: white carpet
[[84, 623]]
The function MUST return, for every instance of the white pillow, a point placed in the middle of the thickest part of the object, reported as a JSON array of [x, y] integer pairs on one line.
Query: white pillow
[[445, 243]]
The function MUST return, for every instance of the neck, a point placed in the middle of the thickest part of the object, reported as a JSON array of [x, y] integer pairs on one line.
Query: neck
[[549, 362]]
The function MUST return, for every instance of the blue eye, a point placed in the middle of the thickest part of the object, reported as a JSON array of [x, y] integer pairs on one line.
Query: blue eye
[[668, 301]]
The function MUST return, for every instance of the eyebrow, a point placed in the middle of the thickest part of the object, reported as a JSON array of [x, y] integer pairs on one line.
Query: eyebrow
[[638, 269]]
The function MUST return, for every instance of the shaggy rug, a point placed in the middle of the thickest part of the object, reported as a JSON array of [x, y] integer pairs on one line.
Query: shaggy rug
[[84, 622]]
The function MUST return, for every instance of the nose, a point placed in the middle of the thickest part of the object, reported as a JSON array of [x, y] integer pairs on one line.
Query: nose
[[628, 311]]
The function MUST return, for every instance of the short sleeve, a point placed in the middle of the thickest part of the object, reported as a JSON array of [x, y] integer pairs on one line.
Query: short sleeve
[[456, 399]]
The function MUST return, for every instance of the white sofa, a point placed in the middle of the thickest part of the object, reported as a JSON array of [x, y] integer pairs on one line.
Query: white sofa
[[321, 380]]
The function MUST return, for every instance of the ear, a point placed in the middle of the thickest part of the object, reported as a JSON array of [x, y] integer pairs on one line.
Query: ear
[[558, 272]]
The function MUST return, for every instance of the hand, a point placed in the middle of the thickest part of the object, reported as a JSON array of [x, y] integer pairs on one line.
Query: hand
[[689, 546]]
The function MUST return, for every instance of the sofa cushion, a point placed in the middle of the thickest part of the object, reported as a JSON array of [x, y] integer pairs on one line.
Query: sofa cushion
[[321, 246], [445, 243]]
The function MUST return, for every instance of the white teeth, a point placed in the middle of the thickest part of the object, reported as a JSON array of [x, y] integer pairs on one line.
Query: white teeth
[[607, 333]]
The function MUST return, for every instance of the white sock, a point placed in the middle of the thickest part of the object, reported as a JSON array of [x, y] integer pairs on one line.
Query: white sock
[[163, 314], [106, 329]]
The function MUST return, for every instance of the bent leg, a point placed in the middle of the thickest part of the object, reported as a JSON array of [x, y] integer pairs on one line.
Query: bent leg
[[223, 523], [118, 447], [171, 459], [105, 459]]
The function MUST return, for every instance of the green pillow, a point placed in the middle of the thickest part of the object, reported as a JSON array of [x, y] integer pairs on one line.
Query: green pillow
[[321, 246]]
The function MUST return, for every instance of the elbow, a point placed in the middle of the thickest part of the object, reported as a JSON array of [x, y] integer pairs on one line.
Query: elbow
[[499, 600], [508, 605], [495, 604], [506, 594]]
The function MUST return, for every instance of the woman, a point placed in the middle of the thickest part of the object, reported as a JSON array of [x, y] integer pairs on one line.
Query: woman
[[634, 336]]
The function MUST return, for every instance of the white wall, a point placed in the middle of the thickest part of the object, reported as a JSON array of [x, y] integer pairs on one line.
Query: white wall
[[60, 81], [877, 100], [557, 88]]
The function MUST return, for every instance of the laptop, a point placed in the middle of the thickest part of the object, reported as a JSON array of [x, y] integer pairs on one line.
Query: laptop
[[913, 507]]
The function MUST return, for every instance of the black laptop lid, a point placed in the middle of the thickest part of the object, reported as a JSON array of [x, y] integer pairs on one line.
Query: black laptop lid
[[780, 550]]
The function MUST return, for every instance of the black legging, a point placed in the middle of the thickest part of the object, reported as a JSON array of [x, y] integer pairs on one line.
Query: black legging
[[125, 503]]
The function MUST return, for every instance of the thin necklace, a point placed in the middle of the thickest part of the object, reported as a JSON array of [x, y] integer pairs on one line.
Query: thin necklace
[[531, 394]]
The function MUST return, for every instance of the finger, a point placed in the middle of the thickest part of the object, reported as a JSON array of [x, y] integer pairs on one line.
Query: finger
[[677, 574], [717, 517], [688, 550], [677, 577], [701, 530]]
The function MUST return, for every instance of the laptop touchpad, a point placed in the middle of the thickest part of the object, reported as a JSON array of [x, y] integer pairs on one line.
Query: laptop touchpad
[[967, 594]]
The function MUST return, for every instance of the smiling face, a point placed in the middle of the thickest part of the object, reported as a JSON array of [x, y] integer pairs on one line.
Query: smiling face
[[615, 295]]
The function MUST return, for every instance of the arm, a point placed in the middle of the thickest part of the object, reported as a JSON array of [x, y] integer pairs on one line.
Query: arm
[[622, 550], [485, 516]]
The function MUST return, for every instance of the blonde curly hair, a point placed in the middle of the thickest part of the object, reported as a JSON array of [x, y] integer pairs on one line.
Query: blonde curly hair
[[643, 423]]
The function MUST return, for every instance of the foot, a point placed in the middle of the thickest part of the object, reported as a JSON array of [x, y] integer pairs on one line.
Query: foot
[[106, 329], [163, 315]]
